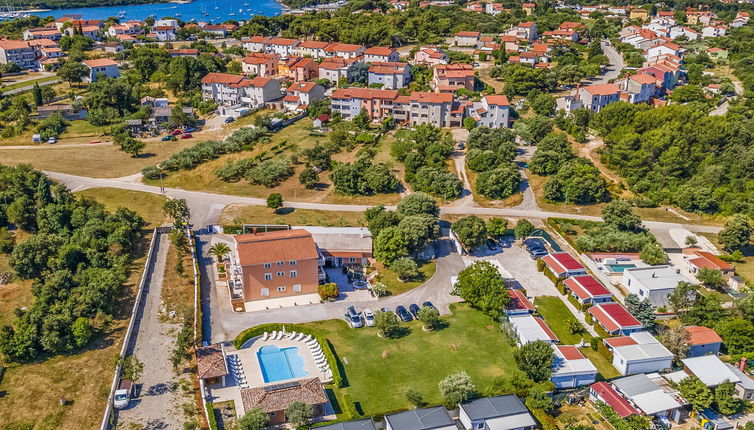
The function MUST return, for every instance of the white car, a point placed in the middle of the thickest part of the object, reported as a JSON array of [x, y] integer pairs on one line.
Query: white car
[[123, 394], [369, 317]]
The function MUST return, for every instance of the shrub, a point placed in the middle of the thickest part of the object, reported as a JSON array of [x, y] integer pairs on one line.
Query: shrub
[[405, 268], [387, 324], [456, 388], [151, 172], [328, 292]]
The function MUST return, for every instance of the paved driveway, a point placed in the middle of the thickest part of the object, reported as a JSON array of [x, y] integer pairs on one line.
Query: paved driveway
[[222, 324]]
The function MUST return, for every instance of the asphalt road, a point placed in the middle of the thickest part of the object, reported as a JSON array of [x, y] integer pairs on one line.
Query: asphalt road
[[616, 64]]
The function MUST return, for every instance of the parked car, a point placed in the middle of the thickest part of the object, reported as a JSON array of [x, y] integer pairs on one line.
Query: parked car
[[353, 318], [51, 140], [537, 253], [461, 145], [491, 244], [189, 130], [403, 314], [534, 243], [124, 393], [168, 138], [187, 136], [175, 132], [414, 309], [229, 119], [428, 305], [368, 317], [385, 309]]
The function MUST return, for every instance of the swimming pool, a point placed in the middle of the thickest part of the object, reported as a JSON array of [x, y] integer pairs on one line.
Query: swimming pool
[[280, 364], [620, 267]]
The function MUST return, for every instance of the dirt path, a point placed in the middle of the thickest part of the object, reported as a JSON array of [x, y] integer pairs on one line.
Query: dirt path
[[588, 150], [158, 406]]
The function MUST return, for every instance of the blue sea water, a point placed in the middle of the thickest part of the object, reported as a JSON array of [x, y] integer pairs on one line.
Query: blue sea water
[[280, 364], [217, 11]]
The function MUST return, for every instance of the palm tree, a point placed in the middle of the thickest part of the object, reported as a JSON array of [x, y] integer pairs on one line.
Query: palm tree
[[219, 250]]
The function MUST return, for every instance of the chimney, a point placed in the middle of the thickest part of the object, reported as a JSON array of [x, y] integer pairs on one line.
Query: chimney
[[742, 364]]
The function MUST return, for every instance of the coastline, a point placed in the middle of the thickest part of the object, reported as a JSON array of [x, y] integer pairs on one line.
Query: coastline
[[34, 10]]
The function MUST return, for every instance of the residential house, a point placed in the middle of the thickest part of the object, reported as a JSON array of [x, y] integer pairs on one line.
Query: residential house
[[562, 34], [381, 54], [663, 48], [129, 28], [529, 8], [494, 8], [278, 264], [110, 48], [18, 52], [282, 46], [638, 88], [510, 43], [184, 52], [346, 51], [466, 38], [67, 111], [219, 30], [90, 31], [434, 418], [655, 283], [164, 33], [256, 43], [615, 319], [563, 265], [703, 341], [491, 111], [717, 53], [231, 90], [664, 72], [211, 363], [529, 329], [499, 413], [365, 424], [518, 304], [439, 110], [525, 30], [430, 56], [713, 372], [304, 69], [638, 13], [587, 290], [340, 246], [698, 260], [595, 97], [275, 399], [312, 48], [452, 77], [301, 94], [650, 398], [639, 352], [570, 369], [605, 393], [335, 68], [100, 66], [390, 75], [349, 102], [714, 31], [42, 33]]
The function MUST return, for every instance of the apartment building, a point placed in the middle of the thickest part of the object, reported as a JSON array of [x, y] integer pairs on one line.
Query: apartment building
[[431, 56], [452, 77], [301, 94], [42, 33], [283, 47], [466, 38], [125, 28], [638, 88], [491, 111], [100, 66], [260, 64], [349, 102], [344, 50], [595, 97], [256, 43], [435, 109], [232, 90], [312, 48], [390, 75], [335, 68], [381, 54], [18, 52], [304, 69]]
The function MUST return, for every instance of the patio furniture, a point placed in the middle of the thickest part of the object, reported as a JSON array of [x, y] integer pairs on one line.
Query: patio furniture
[[272, 336], [264, 336], [307, 338], [292, 335], [312, 342], [299, 337]]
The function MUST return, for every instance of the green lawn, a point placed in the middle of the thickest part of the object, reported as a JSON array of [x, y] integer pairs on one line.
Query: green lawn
[[28, 83], [390, 279], [419, 360], [559, 318], [601, 362], [147, 205]]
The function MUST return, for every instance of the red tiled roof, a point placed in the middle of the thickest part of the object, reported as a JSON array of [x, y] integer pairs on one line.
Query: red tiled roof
[[313, 44], [643, 78], [710, 261], [301, 87], [13, 44], [500, 100], [275, 246], [702, 335], [602, 89], [519, 302], [423, 97], [379, 50], [613, 399], [256, 39], [546, 329], [586, 287], [615, 342], [282, 41], [221, 78], [100, 62], [562, 262], [570, 352], [342, 47], [468, 34], [613, 316], [276, 398]]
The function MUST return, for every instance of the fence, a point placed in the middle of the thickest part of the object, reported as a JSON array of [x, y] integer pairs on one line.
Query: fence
[[106, 419]]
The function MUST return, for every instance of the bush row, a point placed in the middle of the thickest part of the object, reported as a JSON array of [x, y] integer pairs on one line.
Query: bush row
[[327, 348], [212, 418]]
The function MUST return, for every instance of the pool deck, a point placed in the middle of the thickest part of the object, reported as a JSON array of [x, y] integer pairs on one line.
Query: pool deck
[[253, 369]]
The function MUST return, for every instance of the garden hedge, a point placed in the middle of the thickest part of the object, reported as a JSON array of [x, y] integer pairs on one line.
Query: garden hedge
[[327, 348], [601, 331], [212, 418]]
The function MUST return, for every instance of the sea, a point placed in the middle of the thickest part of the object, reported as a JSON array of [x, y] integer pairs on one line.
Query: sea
[[213, 11]]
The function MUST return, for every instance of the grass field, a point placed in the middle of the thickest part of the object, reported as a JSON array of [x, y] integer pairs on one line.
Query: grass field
[[148, 205], [77, 132], [101, 161], [390, 279], [559, 318], [379, 371], [259, 215], [203, 177], [15, 85]]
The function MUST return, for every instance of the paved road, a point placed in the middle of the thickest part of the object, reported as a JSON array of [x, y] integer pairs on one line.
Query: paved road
[[616, 64], [28, 87], [225, 324], [159, 401], [206, 207]]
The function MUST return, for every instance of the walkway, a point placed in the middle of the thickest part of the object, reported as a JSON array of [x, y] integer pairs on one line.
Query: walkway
[[158, 405]]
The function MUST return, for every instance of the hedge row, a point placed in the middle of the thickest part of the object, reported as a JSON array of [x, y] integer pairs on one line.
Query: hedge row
[[546, 422], [327, 348], [212, 417], [551, 276]]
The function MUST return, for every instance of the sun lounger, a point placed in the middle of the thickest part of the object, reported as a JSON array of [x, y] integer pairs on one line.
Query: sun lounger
[[272, 336], [292, 335], [265, 335], [299, 337], [306, 338]]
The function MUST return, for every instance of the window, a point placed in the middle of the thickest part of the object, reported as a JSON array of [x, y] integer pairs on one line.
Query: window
[[265, 292], [281, 289], [280, 263], [281, 273], [296, 288], [294, 274], [268, 276], [292, 262], [267, 265], [351, 259]]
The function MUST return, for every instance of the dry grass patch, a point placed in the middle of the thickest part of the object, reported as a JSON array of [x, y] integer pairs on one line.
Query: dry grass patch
[[178, 288], [259, 215], [148, 205]]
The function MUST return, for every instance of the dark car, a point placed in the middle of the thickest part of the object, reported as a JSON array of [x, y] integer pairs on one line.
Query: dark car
[[537, 253], [534, 242], [168, 138], [229, 119], [428, 305], [189, 130], [491, 244], [403, 314], [414, 309]]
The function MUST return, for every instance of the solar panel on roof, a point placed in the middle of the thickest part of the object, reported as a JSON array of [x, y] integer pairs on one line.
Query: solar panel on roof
[[282, 386]]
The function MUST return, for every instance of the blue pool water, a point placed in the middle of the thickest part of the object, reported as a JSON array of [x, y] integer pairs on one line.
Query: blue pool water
[[620, 267], [280, 364]]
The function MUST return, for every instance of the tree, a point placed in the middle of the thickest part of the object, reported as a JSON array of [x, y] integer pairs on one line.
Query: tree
[[328, 292], [482, 286], [523, 228], [430, 316], [132, 146], [390, 245], [72, 71], [691, 240], [219, 250], [22, 213], [696, 393], [681, 299], [539, 399], [7, 241], [456, 388], [737, 335], [387, 324], [535, 359], [254, 419], [37, 94], [131, 368], [469, 123], [497, 226], [619, 214], [405, 268], [419, 230], [299, 414], [309, 178], [676, 340], [499, 183], [177, 209], [705, 310], [642, 310], [736, 233], [417, 204], [653, 254], [471, 231], [415, 398], [725, 401], [712, 278], [275, 201]]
